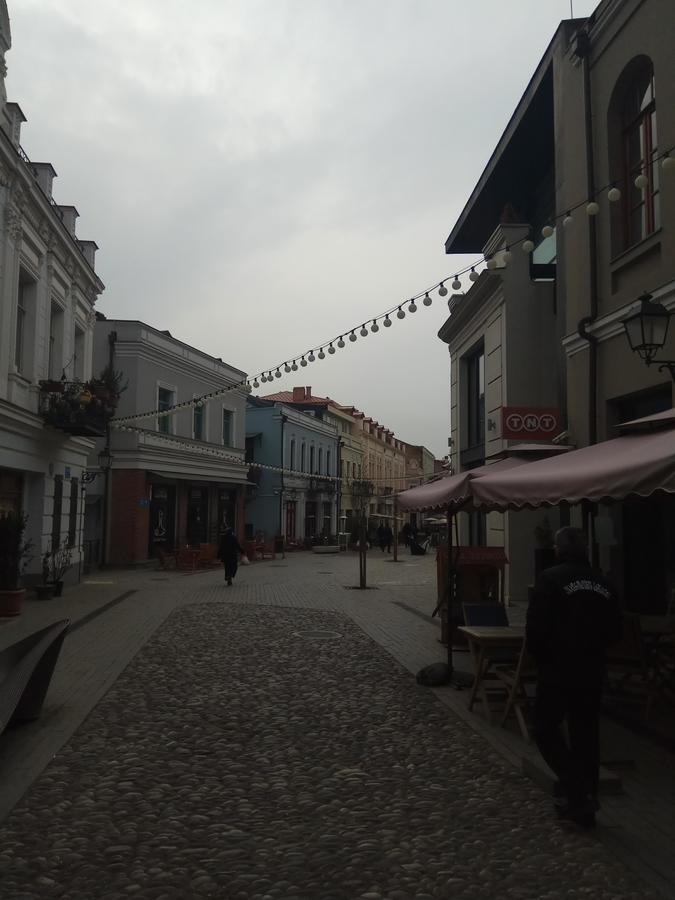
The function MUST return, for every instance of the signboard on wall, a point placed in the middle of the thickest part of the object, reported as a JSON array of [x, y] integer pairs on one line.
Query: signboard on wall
[[530, 423]]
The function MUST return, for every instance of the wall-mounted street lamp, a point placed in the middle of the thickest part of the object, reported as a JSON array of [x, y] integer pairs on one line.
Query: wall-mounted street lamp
[[647, 330]]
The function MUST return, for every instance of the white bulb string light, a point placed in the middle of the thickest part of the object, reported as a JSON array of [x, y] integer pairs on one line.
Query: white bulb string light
[[491, 262]]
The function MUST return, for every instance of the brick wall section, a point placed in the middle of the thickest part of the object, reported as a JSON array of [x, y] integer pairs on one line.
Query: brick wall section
[[129, 521]]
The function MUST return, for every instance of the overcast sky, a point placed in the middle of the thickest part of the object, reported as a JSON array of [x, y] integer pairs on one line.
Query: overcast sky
[[261, 175]]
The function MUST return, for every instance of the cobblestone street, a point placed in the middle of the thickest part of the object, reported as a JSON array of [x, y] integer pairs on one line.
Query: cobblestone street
[[254, 749]]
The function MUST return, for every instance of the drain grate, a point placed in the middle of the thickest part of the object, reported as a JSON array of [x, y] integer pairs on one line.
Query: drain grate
[[318, 635]]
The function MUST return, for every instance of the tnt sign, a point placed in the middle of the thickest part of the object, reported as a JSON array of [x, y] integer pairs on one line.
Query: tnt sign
[[530, 423]]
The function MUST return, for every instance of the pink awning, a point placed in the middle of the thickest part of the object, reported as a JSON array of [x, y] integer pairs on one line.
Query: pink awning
[[637, 464], [455, 489]]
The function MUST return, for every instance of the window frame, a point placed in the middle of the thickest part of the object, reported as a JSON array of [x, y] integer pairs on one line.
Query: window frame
[[230, 412], [171, 389]]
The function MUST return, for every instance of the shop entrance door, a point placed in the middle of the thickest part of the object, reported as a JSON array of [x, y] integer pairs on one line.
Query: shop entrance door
[[291, 513], [198, 516], [162, 517]]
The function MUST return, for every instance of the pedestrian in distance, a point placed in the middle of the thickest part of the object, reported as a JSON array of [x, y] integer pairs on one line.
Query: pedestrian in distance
[[572, 618], [228, 553], [381, 535], [387, 537]]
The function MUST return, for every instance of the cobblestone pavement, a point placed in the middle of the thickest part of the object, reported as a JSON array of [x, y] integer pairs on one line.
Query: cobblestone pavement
[[263, 752]]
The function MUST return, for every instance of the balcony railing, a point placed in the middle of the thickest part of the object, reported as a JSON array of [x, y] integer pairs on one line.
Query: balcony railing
[[76, 408]]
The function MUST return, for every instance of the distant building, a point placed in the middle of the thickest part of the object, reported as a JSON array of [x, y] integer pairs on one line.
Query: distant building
[[178, 478], [48, 288], [297, 496], [420, 466]]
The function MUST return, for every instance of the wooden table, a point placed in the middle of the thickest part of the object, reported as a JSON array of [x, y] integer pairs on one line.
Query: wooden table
[[488, 644]]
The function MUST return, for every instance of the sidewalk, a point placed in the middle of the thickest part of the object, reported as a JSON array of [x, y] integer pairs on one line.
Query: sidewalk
[[637, 826]]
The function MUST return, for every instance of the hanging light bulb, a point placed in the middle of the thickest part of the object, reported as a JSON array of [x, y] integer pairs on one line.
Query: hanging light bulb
[[322, 355], [400, 314], [331, 349], [614, 195], [491, 263], [364, 331], [592, 208], [456, 284], [387, 321], [374, 327], [200, 403], [294, 366], [442, 291], [641, 181], [668, 164], [427, 299], [567, 221], [303, 362], [263, 378], [547, 231], [352, 337], [277, 374], [507, 256], [341, 342], [528, 246], [412, 308], [287, 368], [473, 275], [256, 383], [311, 356]]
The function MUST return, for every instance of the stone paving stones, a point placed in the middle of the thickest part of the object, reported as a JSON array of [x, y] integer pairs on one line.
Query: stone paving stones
[[242, 756]]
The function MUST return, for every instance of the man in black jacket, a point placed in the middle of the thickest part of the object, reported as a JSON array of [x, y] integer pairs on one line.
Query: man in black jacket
[[573, 617]]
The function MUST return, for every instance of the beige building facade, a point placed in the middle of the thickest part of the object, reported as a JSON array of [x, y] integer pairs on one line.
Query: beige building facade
[[545, 328]]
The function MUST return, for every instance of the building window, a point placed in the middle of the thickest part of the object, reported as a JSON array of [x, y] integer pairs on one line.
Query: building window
[[475, 399], [21, 315], [311, 459], [78, 354], [72, 512], [227, 427], [165, 400], [328, 468], [57, 511], [634, 152], [320, 469], [302, 457], [310, 518], [292, 455], [55, 365], [198, 422]]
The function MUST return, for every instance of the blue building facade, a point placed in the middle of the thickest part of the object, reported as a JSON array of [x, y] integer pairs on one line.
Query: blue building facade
[[302, 502]]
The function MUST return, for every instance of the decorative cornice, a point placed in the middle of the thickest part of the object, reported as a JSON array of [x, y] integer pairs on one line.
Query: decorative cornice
[[610, 326]]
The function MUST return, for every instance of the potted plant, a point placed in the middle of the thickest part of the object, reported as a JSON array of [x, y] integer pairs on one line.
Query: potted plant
[[55, 565], [544, 553], [45, 590], [14, 553], [108, 386]]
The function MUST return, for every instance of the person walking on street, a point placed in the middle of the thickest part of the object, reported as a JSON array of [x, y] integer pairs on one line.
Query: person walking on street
[[387, 537], [573, 617], [381, 535], [228, 553]]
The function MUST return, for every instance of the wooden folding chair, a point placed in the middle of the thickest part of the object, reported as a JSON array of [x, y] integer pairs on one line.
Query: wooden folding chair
[[627, 665], [517, 680]]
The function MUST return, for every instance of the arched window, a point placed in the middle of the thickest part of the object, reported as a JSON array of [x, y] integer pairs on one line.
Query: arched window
[[634, 152], [320, 461], [311, 459], [292, 459], [302, 457]]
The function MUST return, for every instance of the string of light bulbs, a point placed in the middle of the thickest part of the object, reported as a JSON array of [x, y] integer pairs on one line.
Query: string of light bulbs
[[501, 258]]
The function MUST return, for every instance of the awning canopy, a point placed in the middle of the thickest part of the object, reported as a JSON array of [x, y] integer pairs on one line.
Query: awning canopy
[[637, 464], [454, 490]]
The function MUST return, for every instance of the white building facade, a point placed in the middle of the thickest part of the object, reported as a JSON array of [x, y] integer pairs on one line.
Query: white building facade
[[48, 288]]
